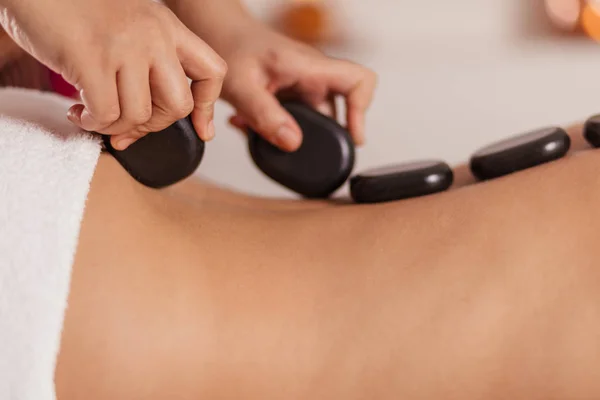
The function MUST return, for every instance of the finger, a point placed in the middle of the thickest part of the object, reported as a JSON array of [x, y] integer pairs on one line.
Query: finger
[[238, 122], [135, 102], [98, 92], [316, 94], [240, 125], [265, 115], [311, 91], [206, 70], [328, 107], [357, 85], [168, 99], [124, 140], [171, 94]]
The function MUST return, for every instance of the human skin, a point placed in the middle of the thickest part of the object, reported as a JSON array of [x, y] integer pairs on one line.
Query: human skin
[[130, 62], [488, 291], [263, 63]]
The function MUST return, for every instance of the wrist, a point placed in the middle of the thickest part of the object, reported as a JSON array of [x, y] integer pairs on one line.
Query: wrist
[[219, 23]]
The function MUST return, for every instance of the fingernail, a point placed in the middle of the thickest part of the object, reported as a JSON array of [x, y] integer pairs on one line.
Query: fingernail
[[287, 138], [87, 121], [210, 130], [72, 118], [74, 113], [124, 143], [71, 115]]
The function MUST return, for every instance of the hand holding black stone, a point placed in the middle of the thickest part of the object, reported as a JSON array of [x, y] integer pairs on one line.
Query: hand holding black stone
[[163, 158], [319, 167]]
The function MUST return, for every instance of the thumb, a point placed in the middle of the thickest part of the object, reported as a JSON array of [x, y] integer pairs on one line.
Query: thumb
[[264, 114]]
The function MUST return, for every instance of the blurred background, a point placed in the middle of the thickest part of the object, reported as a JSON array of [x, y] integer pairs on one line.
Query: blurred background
[[454, 75]]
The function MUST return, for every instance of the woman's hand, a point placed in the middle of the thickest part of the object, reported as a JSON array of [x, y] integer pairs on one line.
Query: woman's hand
[[264, 63], [129, 59]]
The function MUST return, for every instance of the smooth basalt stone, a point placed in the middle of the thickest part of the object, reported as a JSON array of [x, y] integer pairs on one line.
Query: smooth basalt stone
[[401, 181], [591, 130], [163, 158], [520, 152], [319, 167]]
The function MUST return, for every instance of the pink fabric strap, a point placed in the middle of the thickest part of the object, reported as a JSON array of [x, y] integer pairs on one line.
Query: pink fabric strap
[[60, 86]]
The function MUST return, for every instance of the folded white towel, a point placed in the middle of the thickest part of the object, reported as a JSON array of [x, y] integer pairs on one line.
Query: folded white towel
[[46, 166]]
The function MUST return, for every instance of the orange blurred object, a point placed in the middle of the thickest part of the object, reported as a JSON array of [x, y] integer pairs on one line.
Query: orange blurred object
[[306, 21], [590, 21], [579, 16]]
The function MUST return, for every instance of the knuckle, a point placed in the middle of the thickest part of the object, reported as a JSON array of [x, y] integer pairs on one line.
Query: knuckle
[[151, 33], [313, 86], [273, 58], [367, 75], [183, 108], [220, 68], [141, 116], [138, 134], [70, 73], [158, 124], [146, 112], [162, 12], [108, 116], [177, 111]]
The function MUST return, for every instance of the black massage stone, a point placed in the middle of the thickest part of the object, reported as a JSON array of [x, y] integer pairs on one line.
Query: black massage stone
[[320, 166], [401, 181], [520, 152], [163, 158], [591, 130]]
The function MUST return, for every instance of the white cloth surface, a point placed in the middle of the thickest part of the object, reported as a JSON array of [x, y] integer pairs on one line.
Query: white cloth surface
[[46, 166]]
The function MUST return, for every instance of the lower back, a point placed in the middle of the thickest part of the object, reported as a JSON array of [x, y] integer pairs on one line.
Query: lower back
[[462, 295]]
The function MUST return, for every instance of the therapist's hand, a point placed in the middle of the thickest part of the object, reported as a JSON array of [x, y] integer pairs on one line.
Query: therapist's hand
[[263, 63], [129, 59]]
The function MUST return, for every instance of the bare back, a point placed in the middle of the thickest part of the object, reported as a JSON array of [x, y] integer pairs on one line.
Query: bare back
[[482, 292]]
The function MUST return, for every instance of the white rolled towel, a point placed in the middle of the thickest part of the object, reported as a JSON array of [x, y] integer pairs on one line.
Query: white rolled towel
[[46, 165]]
